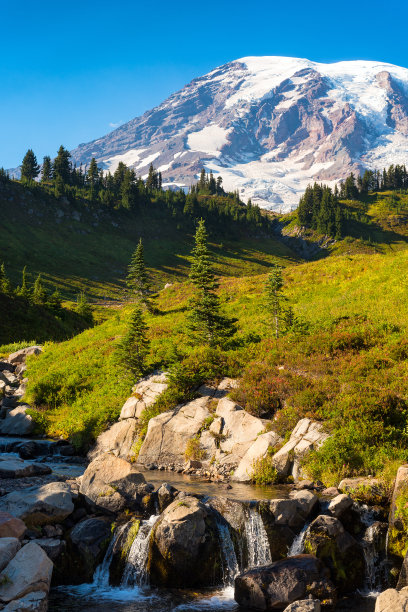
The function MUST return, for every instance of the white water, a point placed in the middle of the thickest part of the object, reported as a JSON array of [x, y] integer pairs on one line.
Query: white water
[[298, 543], [230, 563], [101, 575], [259, 552], [135, 570]]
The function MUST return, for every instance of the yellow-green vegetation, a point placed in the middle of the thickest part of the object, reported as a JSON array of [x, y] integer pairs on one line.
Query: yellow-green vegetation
[[397, 540], [347, 367], [194, 450], [263, 471], [130, 538]]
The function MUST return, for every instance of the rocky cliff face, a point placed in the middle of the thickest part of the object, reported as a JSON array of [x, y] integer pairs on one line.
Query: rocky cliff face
[[269, 126]]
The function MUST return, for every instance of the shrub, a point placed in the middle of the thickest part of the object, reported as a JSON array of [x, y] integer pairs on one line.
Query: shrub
[[194, 450], [263, 471], [261, 390]]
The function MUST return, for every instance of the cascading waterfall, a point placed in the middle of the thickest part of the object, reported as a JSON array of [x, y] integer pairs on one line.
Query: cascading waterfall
[[259, 552], [298, 543], [135, 569], [374, 553], [231, 567], [101, 575]]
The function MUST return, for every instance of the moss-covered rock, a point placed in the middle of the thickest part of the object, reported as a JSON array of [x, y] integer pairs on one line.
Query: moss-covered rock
[[398, 518], [340, 552]]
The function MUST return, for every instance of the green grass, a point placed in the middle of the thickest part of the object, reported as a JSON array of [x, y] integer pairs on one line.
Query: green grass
[[350, 370]]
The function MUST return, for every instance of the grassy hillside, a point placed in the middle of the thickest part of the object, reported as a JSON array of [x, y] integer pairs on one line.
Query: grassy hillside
[[348, 368], [84, 247]]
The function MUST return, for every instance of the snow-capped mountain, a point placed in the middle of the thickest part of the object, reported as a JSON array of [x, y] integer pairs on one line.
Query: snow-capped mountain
[[269, 126]]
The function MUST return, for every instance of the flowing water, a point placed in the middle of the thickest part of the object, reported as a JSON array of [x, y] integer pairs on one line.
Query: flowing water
[[298, 543], [229, 558], [259, 552], [135, 570]]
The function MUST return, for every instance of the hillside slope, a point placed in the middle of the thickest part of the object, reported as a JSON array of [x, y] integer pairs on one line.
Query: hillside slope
[[82, 246]]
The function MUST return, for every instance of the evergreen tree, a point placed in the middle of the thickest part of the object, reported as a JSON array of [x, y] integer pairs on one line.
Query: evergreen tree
[[275, 297], [205, 320], [83, 307], [24, 291], [62, 166], [54, 301], [46, 174], [29, 168], [138, 279], [5, 284], [134, 348], [39, 294], [92, 175]]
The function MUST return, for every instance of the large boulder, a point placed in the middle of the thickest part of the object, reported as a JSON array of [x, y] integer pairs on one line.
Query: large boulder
[[16, 468], [275, 586], [117, 440], [20, 356], [10, 526], [258, 450], [392, 601], [30, 570], [8, 549], [113, 484], [185, 549], [367, 490], [17, 422], [327, 539], [50, 503], [144, 394], [87, 543], [169, 433], [306, 436]]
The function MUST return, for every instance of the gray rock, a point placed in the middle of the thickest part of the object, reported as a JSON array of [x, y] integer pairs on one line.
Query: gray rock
[[113, 483], [17, 422], [392, 601], [118, 440], [21, 355], [258, 450], [50, 503], [144, 395], [16, 468], [165, 495], [10, 526], [8, 549], [306, 605], [340, 504], [53, 547], [29, 571]]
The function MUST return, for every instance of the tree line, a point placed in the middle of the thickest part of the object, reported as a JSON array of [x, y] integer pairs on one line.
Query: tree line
[[122, 189]]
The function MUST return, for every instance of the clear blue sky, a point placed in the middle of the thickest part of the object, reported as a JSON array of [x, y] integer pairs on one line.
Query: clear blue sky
[[71, 71]]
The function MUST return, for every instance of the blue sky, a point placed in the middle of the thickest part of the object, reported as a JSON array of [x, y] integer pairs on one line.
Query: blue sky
[[71, 71]]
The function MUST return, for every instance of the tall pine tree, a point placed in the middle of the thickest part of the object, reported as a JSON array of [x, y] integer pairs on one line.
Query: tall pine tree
[[134, 347], [275, 297], [29, 168], [205, 320], [137, 280], [46, 174]]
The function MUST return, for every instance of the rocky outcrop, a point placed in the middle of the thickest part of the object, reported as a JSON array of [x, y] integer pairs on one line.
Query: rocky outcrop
[[392, 601], [364, 489], [306, 436], [327, 539], [50, 503], [113, 484], [9, 547], [87, 544], [275, 586], [144, 394], [29, 571], [169, 433], [258, 450], [184, 548], [117, 440]]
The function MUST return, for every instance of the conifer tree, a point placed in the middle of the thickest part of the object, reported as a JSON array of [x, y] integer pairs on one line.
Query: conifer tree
[[39, 295], [205, 320], [5, 284], [24, 290], [29, 168], [83, 307], [46, 174], [92, 175], [54, 301], [275, 297], [134, 347], [62, 166], [137, 280]]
